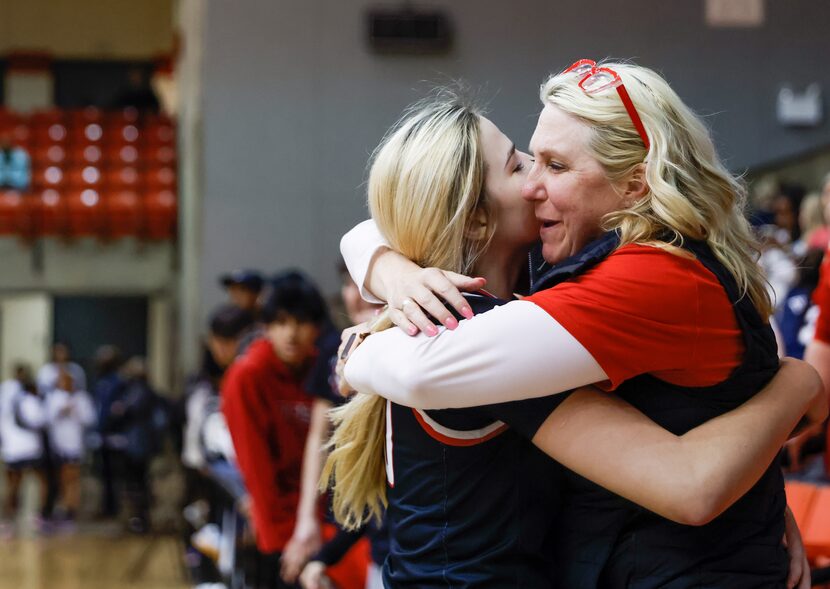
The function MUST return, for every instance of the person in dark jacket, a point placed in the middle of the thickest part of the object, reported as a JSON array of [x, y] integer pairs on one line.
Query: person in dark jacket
[[107, 390], [133, 416]]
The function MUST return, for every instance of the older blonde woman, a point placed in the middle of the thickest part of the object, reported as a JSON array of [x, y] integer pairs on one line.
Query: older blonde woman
[[445, 189], [660, 301]]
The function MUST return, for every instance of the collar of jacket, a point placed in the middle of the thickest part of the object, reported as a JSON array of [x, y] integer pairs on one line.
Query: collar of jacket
[[544, 275]]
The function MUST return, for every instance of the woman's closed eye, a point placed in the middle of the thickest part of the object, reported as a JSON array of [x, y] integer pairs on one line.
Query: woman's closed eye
[[555, 166]]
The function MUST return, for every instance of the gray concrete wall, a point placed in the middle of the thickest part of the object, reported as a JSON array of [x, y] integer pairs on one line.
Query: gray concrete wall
[[294, 102]]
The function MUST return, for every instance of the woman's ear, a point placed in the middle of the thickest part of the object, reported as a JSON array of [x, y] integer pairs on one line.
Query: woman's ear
[[635, 186], [477, 229]]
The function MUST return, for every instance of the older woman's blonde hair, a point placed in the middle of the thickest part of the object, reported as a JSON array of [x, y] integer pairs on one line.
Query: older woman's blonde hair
[[425, 193], [691, 194]]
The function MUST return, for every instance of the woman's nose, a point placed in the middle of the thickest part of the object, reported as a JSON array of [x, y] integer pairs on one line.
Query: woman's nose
[[532, 189]]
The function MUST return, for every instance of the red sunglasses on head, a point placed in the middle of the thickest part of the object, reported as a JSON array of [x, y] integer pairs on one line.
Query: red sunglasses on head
[[599, 79]]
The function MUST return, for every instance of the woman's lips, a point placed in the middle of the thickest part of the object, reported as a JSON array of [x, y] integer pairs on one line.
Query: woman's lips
[[548, 226]]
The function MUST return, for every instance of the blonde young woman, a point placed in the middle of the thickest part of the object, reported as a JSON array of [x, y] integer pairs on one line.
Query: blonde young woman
[[469, 501]]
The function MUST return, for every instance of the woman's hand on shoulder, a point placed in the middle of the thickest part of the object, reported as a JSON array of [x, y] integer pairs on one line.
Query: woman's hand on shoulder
[[419, 292]]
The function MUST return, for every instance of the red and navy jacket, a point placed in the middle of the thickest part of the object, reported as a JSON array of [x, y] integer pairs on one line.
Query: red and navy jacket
[[471, 501], [605, 541], [268, 414]]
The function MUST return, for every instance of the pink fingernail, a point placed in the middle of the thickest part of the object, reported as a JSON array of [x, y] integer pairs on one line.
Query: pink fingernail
[[467, 312], [432, 331], [451, 323], [412, 330]]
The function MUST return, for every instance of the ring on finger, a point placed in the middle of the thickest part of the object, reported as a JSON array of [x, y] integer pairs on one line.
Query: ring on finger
[[405, 302]]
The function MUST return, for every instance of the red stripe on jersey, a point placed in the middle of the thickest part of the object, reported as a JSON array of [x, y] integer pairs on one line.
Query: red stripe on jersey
[[459, 442]]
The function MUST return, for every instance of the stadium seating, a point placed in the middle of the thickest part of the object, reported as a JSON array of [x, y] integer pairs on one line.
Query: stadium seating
[[810, 504], [109, 174]]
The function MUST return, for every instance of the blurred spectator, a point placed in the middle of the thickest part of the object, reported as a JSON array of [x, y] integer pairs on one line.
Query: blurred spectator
[[47, 376], [108, 390], [227, 327], [268, 412], [797, 315], [15, 164], [205, 493], [47, 381], [138, 93], [763, 193], [818, 351], [133, 416], [786, 208], [815, 234], [243, 288], [69, 414], [777, 262], [22, 419]]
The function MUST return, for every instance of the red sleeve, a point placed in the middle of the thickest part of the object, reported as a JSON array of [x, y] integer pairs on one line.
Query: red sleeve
[[646, 310], [821, 297], [247, 418]]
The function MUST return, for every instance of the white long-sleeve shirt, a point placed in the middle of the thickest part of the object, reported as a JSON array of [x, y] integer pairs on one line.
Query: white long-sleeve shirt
[[472, 365], [18, 443], [47, 376], [69, 415]]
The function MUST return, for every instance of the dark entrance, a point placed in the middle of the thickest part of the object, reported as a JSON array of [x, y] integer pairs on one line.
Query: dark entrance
[[87, 322]]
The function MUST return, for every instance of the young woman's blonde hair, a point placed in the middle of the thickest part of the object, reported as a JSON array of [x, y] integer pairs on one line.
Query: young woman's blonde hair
[[425, 193], [691, 194]]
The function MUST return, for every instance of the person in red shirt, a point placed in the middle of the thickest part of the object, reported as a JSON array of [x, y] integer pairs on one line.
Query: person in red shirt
[[268, 412]]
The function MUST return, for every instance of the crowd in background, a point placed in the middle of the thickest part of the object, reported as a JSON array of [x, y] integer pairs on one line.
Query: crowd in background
[[794, 231], [54, 427], [255, 427]]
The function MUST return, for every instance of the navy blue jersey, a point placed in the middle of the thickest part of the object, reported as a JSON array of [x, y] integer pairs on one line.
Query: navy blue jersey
[[321, 382], [471, 501]]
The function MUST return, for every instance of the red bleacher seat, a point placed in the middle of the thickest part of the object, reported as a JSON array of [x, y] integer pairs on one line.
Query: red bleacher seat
[[49, 134], [123, 178], [84, 177], [124, 214], [85, 213], [164, 155], [90, 133], [13, 213], [46, 117], [161, 213], [160, 134], [110, 173], [79, 118], [122, 155], [810, 504], [800, 498], [123, 134], [48, 177], [49, 155], [160, 178], [50, 213], [816, 532], [86, 155], [9, 119], [125, 116]]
